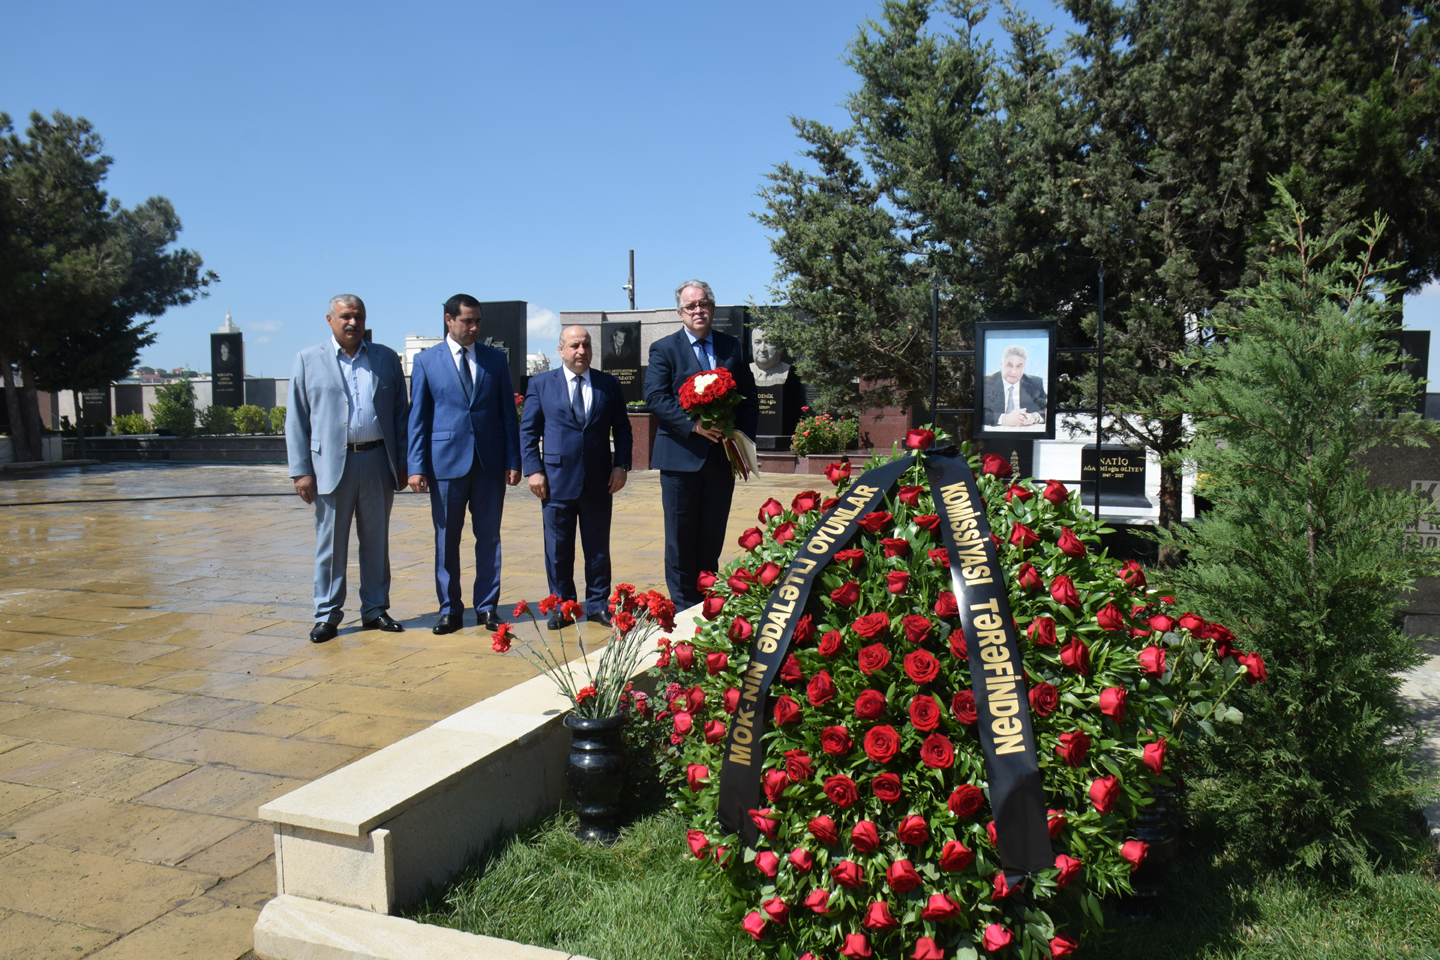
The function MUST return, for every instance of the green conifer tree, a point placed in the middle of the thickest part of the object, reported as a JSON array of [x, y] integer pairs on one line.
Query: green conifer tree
[[1301, 557]]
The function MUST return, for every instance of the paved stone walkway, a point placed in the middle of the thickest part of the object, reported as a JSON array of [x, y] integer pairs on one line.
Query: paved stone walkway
[[157, 685]]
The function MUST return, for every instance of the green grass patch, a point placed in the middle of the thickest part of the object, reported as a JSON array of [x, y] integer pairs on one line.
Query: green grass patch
[[640, 899]]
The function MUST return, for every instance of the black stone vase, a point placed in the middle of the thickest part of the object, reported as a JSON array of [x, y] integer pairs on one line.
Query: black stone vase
[[595, 773]]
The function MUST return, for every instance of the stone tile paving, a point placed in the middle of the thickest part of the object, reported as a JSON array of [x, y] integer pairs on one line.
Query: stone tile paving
[[157, 685]]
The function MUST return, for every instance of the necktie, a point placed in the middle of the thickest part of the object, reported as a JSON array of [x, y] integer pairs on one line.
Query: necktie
[[577, 402], [1010, 399], [701, 354], [466, 380]]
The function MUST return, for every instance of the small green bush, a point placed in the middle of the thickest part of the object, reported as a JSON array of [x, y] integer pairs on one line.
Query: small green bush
[[824, 434], [217, 420], [277, 419], [131, 423], [174, 408], [251, 419]]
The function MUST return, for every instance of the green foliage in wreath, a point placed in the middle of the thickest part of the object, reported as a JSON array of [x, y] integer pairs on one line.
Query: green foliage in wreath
[[877, 837]]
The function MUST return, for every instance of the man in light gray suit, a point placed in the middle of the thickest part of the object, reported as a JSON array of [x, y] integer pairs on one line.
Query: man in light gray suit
[[345, 438]]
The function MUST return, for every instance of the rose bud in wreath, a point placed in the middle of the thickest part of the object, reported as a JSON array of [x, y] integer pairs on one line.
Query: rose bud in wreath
[[1018, 491], [1073, 747], [846, 594], [790, 670], [958, 647], [802, 859], [852, 557], [940, 908], [1022, 536], [768, 573], [774, 782], [699, 844], [928, 521], [917, 628], [1076, 656], [754, 924], [990, 833], [804, 630], [697, 775], [874, 522], [1042, 632], [857, 946], [777, 908], [963, 706], [769, 509], [895, 546], [835, 741], [739, 581], [924, 713], [1153, 756], [1113, 701], [714, 731], [966, 801], [765, 823], [784, 533], [921, 666], [821, 689], [887, 788], [1044, 698], [751, 538], [731, 699], [997, 938], [881, 743], [874, 658], [913, 830], [716, 662], [1002, 888], [1062, 591], [1062, 946], [682, 723], [897, 580], [1162, 623], [685, 656], [786, 710], [955, 856], [836, 472], [819, 901], [1055, 822], [822, 828], [872, 625], [910, 496], [865, 837], [1071, 545], [1028, 578], [767, 863], [877, 917], [870, 704], [1133, 575], [712, 606], [1254, 665], [994, 465], [937, 752], [798, 766], [945, 605], [1152, 661], [1055, 492], [1069, 869], [919, 438], [902, 877], [695, 699], [1110, 618], [705, 581], [805, 501], [832, 644], [841, 791], [927, 949], [1133, 852], [1193, 623], [847, 874], [1104, 792], [741, 630]]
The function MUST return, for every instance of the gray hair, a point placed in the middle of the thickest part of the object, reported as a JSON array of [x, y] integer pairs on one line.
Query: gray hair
[[349, 299], [697, 284], [1014, 350]]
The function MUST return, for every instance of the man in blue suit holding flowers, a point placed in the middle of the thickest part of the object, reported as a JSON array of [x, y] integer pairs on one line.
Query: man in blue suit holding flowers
[[573, 411], [464, 449]]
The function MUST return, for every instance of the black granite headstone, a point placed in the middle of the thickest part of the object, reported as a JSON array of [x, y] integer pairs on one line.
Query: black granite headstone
[[502, 326], [260, 391], [1122, 475], [730, 320], [620, 356], [95, 406], [1020, 451], [129, 398], [227, 369]]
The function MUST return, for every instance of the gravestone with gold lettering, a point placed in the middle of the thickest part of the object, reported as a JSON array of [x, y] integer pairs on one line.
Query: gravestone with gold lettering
[[620, 356], [1122, 475]]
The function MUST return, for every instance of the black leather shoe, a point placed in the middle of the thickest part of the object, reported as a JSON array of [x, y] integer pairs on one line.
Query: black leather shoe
[[557, 620], [382, 622], [448, 623], [490, 619], [603, 618], [323, 632]]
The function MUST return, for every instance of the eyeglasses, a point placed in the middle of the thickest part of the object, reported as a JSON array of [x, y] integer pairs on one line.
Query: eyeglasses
[[699, 305]]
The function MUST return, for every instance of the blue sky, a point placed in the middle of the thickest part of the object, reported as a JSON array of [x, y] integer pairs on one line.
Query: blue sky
[[408, 152]]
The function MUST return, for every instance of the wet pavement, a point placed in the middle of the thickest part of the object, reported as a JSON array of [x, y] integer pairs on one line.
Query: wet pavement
[[157, 685]]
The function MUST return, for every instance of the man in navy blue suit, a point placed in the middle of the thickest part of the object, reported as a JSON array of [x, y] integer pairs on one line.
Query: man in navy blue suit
[[464, 449], [695, 480], [574, 410]]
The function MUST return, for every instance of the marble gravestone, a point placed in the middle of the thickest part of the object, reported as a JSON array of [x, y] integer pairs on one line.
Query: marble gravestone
[[620, 356]]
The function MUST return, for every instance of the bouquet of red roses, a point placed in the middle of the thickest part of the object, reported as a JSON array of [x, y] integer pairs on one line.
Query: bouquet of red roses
[[714, 395]]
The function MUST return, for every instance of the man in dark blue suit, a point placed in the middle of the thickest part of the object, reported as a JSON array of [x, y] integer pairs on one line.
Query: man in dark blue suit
[[464, 449], [695, 480], [574, 410]]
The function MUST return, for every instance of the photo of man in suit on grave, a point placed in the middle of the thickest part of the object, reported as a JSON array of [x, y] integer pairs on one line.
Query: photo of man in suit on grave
[[1014, 400]]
